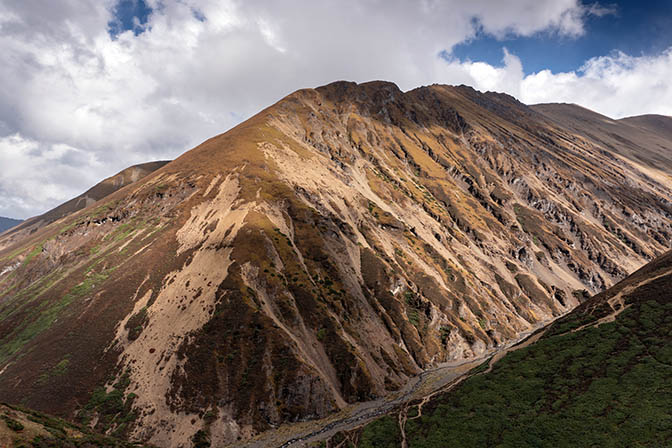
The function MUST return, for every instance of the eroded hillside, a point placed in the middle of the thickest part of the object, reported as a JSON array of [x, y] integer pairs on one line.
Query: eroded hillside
[[318, 254], [597, 377], [20, 428]]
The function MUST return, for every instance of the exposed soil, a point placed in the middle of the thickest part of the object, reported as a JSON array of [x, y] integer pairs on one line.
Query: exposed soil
[[322, 254]]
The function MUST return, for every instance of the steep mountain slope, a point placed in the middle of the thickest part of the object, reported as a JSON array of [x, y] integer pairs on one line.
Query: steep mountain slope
[[8, 223], [21, 427], [600, 376], [320, 253], [95, 193], [645, 140], [660, 125]]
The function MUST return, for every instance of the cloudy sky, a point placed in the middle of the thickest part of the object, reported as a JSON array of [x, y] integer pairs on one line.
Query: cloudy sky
[[89, 87]]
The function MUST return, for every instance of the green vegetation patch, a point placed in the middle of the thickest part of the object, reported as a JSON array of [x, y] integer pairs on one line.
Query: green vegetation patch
[[103, 210], [60, 432], [136, 323], [14, 254], [122, 232], [45, 314], [383, 432], [12, 424], [200, 439], [33, 253], [114, 408], [607, 386], [60, 369]]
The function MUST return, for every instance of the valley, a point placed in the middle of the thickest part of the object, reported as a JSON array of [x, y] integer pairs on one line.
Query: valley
[[421, 388], [598, 376], [347, 251]]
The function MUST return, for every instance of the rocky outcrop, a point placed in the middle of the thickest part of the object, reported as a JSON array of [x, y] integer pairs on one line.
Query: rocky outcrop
[[319, 254]]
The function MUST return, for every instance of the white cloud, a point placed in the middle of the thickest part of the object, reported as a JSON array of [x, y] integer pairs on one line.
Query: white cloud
[[616, 85], [484, 76], [598, 10], [35, 175], [137, 98]]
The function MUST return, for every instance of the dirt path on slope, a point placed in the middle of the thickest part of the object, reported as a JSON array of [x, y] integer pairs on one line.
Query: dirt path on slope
[[421, 387], [617, 303], [403, 413]]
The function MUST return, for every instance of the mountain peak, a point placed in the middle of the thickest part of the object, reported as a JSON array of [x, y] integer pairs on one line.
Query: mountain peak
[[321, 253], [349, 89]]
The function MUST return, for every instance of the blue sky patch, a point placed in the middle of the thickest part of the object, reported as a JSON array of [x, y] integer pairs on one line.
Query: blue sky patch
[[636, 28], [198, 15], [129, 15]]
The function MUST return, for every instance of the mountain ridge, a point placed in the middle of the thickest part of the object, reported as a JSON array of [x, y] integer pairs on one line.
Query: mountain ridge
[[320, 253], [637, 139], [8, 223], [99, 191]]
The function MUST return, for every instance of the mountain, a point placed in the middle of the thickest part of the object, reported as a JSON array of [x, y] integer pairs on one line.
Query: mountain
[[655, 124], [319, 254], [8, 223], [21, 427], [599, 376], [95, 193], [645, 140]]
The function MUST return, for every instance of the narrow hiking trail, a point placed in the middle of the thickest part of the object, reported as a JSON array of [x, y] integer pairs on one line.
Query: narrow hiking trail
[[418, 391], [403, 413], [617, 302]]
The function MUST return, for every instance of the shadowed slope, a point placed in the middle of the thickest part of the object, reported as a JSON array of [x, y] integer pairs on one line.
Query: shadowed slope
[[321, 253], [8, 223], [600, 376]]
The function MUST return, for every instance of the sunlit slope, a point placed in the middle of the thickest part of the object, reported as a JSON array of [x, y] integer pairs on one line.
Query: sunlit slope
[[318, 254], [600, 376], [89, 197]]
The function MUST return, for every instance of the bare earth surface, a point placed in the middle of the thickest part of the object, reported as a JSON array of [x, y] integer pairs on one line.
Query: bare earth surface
[[422, 387], [322, 255]]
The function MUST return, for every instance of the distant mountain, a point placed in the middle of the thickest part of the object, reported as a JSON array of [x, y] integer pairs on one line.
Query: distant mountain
[[656, 124], [95, 193], [322, 253], [8, 223], [645, 140], [599, 376]]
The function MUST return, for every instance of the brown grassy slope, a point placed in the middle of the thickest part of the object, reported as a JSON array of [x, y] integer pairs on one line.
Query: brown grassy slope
[[93, 194], [660, 125], [642, 140], [20, 427], [318, 254]]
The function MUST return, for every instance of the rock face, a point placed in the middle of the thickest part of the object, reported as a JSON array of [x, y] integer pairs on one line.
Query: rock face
[[606, 361], [318, 254]]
